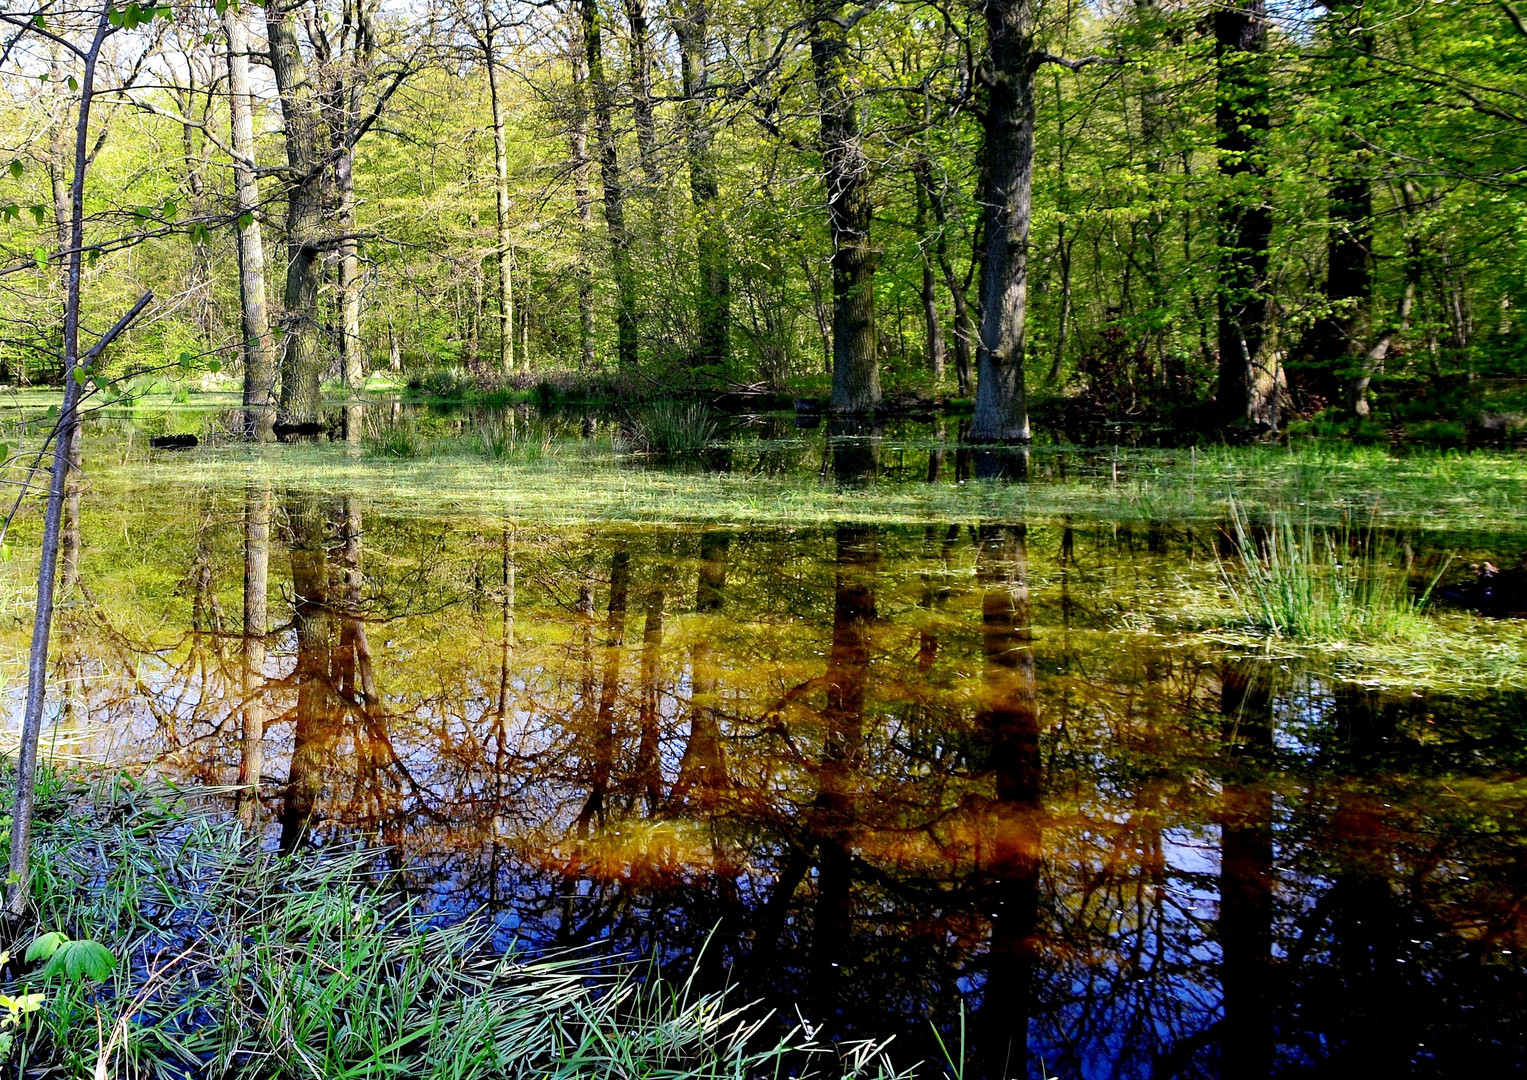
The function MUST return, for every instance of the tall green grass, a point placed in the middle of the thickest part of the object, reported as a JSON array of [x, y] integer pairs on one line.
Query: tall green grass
[[1322, 584], [674, 427], [235, 962]]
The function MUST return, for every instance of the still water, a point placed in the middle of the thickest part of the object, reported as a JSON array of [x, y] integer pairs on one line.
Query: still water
[[923, 780]]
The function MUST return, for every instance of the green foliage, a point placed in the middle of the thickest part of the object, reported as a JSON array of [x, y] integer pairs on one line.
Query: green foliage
[[75, 960], [394, 438]]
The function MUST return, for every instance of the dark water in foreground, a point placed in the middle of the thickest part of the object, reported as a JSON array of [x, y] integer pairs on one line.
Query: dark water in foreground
[[894, 778]]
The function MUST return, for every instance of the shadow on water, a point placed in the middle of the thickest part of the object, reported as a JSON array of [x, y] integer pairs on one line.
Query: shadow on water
[[904, 779]]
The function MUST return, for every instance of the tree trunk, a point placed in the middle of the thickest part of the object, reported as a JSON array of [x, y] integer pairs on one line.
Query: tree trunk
[[583, 203], [19, 877], [846, 173], [301, 362], [1001, 412], [613, 184], [1248, 375], [259, 350], [933, 329], [503, 253], [641, 92], [964, 328], [711, 252]]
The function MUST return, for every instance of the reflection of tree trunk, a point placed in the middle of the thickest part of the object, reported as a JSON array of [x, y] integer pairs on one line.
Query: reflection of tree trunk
[[69, 555], [1246, 860], [256, 571], [1366, 923], [602, 756], [317, 724], [503, 253], [855, 447], [648, 768], [1009, 724], [702, 770], [833, 814]]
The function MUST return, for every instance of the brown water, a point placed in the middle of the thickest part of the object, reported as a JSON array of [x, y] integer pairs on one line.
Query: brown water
[[896, 778]]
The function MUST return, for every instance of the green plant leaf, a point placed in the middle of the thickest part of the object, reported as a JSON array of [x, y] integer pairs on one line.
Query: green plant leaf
[[215, 366], [40, 255], [74, 84], [16, 167], [45, 945], [78, 960]]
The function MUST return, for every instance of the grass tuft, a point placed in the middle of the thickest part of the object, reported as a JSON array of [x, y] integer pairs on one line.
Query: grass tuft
[[1328, 584], [674, 427]]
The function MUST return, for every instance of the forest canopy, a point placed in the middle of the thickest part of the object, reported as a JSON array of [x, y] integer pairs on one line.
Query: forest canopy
[[1230, 212]]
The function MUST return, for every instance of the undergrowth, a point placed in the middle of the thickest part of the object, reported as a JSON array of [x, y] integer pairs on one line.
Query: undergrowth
[[237, 962]]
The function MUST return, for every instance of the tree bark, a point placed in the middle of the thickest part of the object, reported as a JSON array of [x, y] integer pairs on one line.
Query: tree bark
[[19, 877], [583, 203], [712, 256], [641, 92], [964, 328], [933, 329], [503, 252], [846, 173], [1248, 376], [301, 362], [1001, 411], [259, 350], [613, 185]]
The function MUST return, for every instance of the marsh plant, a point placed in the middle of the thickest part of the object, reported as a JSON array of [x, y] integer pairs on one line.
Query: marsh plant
[[394, 437], [442, 382], [673, 427], [1322, 584], [504, 441], [238, 962]]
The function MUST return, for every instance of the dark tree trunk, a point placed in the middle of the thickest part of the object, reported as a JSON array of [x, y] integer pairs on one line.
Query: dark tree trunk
[[1001, 412], [846, 171], [613, 184], [693, 32], [1247, 372], [702, 770]]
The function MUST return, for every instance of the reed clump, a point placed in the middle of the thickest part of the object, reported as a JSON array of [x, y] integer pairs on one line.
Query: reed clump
[[1322, 584], [674, 427], [233, 961]]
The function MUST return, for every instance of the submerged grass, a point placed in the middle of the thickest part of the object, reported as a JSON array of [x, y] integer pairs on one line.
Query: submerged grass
[[236, 962]]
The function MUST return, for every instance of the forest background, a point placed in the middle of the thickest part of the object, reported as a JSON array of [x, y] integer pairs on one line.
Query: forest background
[[1224, 214]]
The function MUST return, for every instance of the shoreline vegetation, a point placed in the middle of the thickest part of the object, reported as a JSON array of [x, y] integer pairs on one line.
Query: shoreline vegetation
[[234, 961]]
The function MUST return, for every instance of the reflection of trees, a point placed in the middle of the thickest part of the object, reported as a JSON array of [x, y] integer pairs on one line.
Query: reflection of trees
[[825, 746]]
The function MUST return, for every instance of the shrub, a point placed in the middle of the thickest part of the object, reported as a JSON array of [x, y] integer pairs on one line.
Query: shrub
[[674, 427], [442, 382]]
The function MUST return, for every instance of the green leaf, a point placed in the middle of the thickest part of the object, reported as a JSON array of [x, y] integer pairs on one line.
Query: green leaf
[[45, 945], [80, 375], [5, 451], [16, 167], [39, 213], [246, 220], [40, 256], [74, 84], [215, 366], [79, 960], [114, 17], [10, 212], [184, 360], [169, 208]]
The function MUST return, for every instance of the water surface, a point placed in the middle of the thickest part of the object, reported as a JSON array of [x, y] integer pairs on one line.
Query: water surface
[[897, 776]]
